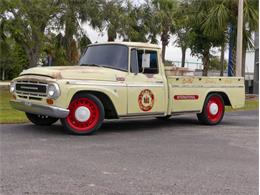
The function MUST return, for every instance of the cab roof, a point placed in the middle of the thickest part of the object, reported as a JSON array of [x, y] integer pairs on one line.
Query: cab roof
[[131, 44]]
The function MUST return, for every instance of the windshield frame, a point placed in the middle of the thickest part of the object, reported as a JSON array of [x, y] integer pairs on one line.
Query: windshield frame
[[107, 66]]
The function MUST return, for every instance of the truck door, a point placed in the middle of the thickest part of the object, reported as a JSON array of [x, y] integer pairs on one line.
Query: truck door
[[145, 84]]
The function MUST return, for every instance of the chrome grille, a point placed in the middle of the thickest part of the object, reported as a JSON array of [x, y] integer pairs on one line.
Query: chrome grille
[[34, 90]]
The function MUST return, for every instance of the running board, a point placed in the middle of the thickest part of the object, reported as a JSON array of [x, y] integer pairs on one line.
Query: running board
[[155, 114], [185, 112], [143, 115]]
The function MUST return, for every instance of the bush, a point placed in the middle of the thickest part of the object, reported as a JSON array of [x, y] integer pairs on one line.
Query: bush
[[215, 63]]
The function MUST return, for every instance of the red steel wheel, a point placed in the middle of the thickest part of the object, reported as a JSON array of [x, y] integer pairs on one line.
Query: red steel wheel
[[86, 115], [213, 110]]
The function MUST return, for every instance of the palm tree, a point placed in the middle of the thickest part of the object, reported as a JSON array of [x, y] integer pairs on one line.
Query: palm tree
[[201, 42], [112, 16], [163, 12], [223, 13], [26, 22], [73, 14], [182, 31], [135, 23]]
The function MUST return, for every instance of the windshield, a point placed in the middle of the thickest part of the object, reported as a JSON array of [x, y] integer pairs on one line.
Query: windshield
[[111, 56]]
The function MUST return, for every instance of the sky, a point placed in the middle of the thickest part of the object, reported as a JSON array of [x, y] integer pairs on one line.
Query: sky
[[173, 53]]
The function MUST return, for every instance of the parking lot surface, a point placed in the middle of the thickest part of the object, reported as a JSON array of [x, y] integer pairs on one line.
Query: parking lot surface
[[147, 156]]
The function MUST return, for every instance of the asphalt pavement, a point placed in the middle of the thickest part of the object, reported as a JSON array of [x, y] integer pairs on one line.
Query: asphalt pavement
[[147, 156]]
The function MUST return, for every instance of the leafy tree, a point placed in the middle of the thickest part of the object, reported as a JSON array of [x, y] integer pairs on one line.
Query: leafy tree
[[112, 17], [215, 63], [30, 22], [182, 32], [54, 47], [223, 14], [201, 42], [71, 28], [200, 47], [72, 15], [83, 43], [13, 58], [134, 23], [151, 22], [26, 21], [6, 60], [20, 61], [163, 12]]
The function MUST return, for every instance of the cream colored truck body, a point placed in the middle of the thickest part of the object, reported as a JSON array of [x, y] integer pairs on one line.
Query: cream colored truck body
[[122, 91]]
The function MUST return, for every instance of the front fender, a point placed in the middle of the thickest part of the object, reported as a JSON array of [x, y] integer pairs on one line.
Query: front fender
[[117, 92]]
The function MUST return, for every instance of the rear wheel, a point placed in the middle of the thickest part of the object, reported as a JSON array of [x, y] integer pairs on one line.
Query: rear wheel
[[213, 110], [86, 115], [41, 119]]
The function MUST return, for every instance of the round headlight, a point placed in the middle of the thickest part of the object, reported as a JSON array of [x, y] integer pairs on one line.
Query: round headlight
[[53, 91], [12, 87]]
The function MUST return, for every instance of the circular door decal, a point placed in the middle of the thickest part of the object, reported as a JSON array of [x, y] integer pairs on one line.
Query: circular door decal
[[146, 100]]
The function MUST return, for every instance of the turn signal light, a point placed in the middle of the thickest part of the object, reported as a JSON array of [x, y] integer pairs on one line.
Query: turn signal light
[[49, 101]]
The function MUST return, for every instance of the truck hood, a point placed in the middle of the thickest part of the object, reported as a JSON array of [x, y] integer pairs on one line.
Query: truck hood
[[76, 72]]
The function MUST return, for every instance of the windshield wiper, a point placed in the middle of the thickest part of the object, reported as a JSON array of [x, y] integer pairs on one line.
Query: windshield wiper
[[91, 65], [98, 65], [103, 66]]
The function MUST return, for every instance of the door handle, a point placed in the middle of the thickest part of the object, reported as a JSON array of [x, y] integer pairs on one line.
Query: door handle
[[158, 81]]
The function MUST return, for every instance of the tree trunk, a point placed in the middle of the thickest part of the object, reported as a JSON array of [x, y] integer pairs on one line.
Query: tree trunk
[[3, 74], [32, 54], [205, 61], [222, 60], [34, 50], [243, 62], [31, 47], [110, 39], [70, 30], [183, 56], [165, 41], [111, 34], [163, 53], [33, 60]]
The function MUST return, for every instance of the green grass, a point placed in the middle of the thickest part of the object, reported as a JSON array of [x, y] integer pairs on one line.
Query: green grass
[[10, 115], [249, 105]]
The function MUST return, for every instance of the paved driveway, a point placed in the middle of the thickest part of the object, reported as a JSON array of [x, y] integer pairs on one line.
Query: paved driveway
[[147, 156]]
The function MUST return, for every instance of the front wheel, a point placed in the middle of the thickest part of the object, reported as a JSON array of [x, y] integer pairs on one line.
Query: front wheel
[[38, 119], [213, 110], [86, 115]]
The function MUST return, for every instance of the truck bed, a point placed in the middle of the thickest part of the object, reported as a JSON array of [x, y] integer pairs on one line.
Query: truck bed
[[189, 92]]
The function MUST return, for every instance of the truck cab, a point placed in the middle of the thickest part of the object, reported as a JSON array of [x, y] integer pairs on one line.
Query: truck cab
[[118, 80]]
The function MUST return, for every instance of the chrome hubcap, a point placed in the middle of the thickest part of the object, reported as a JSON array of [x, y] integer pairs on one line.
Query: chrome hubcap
[[82, 113], [213, 108]]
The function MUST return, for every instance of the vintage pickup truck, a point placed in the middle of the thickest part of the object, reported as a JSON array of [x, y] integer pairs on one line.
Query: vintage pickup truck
[[116, 80]]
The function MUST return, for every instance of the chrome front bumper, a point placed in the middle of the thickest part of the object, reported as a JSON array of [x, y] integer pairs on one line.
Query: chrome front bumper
[[29, 107]]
